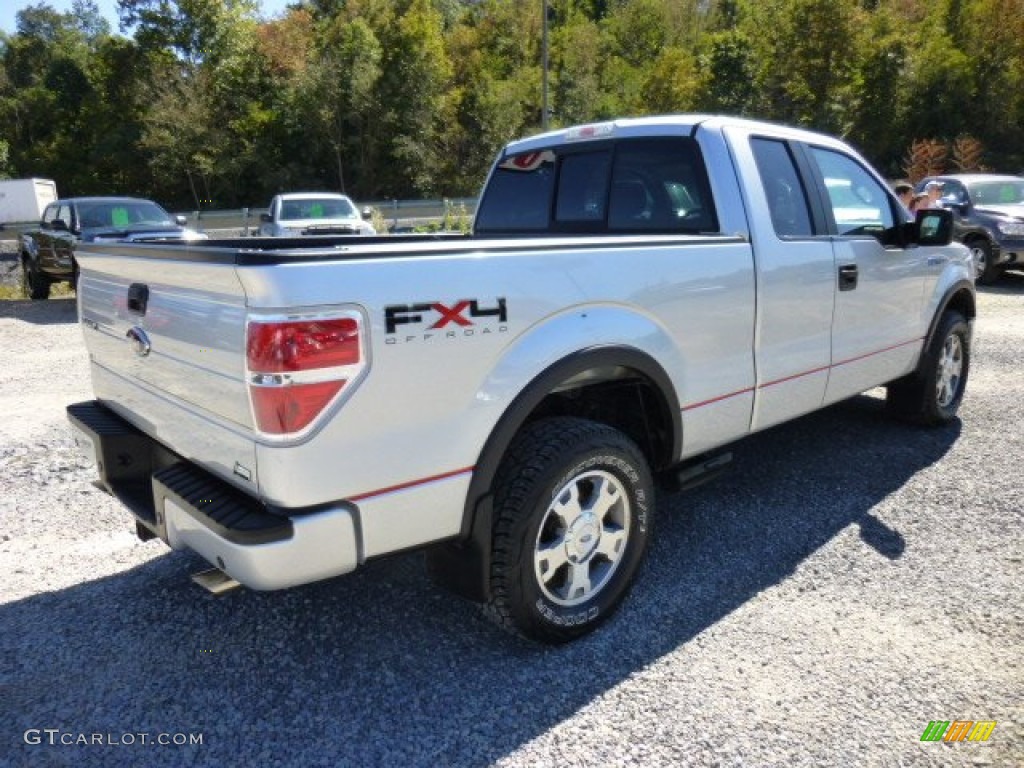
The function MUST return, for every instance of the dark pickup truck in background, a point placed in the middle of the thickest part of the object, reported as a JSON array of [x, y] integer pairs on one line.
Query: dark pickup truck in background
[[47, 252], [988, 217]]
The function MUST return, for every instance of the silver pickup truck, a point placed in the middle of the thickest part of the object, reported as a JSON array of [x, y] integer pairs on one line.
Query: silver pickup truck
[[636, 295]]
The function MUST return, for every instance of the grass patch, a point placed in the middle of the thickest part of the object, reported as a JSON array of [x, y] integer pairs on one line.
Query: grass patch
[[455, 219], [13, 292]]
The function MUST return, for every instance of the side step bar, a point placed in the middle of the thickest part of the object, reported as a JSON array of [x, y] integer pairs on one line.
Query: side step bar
[[694, 472]]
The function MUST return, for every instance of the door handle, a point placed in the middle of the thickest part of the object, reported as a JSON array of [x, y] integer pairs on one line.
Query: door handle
[[848, 277]]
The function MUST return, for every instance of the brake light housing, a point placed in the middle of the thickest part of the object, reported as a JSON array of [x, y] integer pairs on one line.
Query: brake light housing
[[299, 366]]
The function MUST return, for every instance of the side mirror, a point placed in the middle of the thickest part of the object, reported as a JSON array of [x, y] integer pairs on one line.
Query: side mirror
[[266, 219], [367, 212], [59, 225], [933, 226], [180, 220]]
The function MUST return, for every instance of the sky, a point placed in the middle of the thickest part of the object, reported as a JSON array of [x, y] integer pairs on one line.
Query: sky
[[10, 8]]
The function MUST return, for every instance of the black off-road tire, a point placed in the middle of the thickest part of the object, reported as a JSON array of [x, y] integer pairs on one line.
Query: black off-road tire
[[932, 396], [574, 506], [986, 272], [34, 284]]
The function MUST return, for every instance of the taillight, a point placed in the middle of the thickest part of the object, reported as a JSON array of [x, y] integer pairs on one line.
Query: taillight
[[297, 366]]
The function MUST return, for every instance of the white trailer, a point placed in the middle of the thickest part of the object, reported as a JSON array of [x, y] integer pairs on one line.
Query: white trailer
[[23, 200]]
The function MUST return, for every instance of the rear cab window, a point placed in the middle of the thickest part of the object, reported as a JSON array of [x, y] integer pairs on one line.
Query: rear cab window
[[626, 186]]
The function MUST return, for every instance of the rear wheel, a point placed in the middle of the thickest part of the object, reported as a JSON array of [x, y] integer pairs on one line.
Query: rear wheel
[[933, 395], [34, 284], [573, 514], [986, 272]]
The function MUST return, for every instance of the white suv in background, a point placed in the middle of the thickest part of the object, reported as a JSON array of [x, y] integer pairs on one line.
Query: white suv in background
[[301, 214]]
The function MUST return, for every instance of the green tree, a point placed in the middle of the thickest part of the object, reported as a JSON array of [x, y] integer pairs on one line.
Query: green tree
[[413, 94], [5, 154], [727, 64], [992, 36], [206, 100], [46, 82], [673, 83], [111, 119], [876, 117], [495, 99], [941, 87], [635, 38], [195, 30], [803, 58], [338, 94], [413, 97], [576, 58]]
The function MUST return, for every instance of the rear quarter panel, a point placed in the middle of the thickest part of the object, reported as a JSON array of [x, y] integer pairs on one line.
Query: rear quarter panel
[[436, 387]]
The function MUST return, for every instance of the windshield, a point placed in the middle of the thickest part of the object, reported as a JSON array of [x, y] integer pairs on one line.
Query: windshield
[[123, 214], [317, 208], [1003, 192]]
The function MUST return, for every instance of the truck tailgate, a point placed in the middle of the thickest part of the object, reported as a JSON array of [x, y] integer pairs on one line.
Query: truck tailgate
[[166, 341]]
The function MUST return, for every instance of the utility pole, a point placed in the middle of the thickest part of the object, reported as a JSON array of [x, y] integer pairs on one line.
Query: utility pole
[[544, 66]]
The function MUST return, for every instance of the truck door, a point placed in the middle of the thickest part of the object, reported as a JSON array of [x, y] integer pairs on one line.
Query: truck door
[[795, 279], [877, 330], [64, 239], [48, 228]]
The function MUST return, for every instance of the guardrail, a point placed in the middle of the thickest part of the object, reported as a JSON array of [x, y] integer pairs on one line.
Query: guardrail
[[400, 215]]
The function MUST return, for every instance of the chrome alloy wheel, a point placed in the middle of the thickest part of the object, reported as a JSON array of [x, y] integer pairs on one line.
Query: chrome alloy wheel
[[951, 364], [582, 538]]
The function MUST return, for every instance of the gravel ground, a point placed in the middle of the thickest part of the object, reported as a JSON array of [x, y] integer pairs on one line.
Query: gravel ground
[[10, 272], [847, 581]]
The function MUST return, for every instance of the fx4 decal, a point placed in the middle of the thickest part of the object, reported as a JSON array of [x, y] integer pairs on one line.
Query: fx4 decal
[[458, 319]]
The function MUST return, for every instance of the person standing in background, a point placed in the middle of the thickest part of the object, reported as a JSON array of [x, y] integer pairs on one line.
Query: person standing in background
[[918, 202], [905, 192], [934, 191]]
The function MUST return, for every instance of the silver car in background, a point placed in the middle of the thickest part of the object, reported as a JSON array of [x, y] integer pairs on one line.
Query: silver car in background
[[304, 214]]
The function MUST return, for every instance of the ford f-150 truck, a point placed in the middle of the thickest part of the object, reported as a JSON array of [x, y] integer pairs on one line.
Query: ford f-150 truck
[[298, 214], [635, 296]]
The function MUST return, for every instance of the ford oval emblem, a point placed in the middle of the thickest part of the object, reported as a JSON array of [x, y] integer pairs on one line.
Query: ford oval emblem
[[139, 341]]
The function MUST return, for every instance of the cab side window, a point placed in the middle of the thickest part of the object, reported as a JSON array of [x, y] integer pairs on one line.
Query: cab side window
[[57, 217], [856, 202], [49, 216], [787, 200]]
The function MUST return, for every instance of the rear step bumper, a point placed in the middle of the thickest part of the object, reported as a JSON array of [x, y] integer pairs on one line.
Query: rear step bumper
[[189, 508]]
